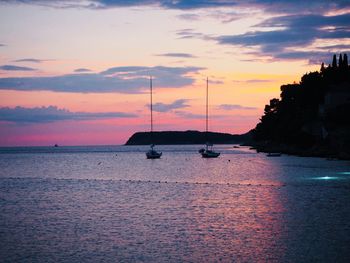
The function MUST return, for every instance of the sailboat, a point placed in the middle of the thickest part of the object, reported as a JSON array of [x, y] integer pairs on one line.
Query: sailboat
[[208, 152], [151, 153]]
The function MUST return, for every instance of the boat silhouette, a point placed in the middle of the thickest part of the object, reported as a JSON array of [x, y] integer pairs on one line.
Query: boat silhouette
[[152, 153], [208, 151]]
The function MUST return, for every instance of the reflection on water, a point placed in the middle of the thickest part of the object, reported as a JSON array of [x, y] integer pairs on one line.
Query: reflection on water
[[114, 205], [327, 178]]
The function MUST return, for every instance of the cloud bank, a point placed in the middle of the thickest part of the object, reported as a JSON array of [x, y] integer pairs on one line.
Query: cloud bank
[[133, 79], [273, 6], [293, 31], [253, 81], [163, 107], [53, 114], [177, 55], [15, 68], [80, 70], [234, 107], [294, 25], [31, 60]]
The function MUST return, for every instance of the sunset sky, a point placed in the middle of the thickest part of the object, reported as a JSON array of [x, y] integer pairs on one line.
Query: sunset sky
[[77, 72]]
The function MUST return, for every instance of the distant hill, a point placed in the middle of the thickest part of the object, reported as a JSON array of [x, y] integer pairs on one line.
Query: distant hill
[[311, 117], [184, 137]]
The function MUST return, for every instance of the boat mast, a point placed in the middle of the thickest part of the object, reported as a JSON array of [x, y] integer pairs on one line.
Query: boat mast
[[151, 105], [206, 119], [206, 123]]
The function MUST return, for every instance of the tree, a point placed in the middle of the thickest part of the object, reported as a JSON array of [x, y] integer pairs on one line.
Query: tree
[[322, 67], [292, 118], [340, 61], [345, 61], [272, 108], [334, 62]]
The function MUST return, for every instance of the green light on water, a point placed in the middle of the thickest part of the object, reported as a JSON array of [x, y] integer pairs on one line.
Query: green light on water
[[326, 178], [329, 178], [344, 173]]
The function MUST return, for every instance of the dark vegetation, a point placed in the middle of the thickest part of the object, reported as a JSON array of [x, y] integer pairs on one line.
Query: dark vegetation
[[184, 137], [311, 117]]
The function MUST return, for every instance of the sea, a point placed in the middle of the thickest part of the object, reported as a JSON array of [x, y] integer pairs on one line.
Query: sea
[[111, 204]]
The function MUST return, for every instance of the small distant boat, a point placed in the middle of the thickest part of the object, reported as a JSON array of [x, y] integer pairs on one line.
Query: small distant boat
[[208, 152], [152, 154], [273, 154], [56, 145]]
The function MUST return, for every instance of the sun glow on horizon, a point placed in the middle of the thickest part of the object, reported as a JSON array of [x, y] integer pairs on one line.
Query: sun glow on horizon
[[97, 61]]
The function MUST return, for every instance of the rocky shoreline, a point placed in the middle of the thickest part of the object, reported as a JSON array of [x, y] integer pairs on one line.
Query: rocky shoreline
[[319, 150]]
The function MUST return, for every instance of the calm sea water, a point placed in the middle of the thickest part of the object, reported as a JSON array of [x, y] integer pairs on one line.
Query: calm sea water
[[111, 204]]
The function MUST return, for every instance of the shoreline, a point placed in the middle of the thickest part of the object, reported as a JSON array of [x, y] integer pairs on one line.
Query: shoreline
[[314, 151]]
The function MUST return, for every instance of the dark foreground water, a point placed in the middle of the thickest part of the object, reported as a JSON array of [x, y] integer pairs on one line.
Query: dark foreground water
[[110, 204]]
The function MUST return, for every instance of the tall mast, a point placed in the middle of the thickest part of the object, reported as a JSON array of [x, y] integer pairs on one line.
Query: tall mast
[[206, 120], [151, 104], [206, 123]]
